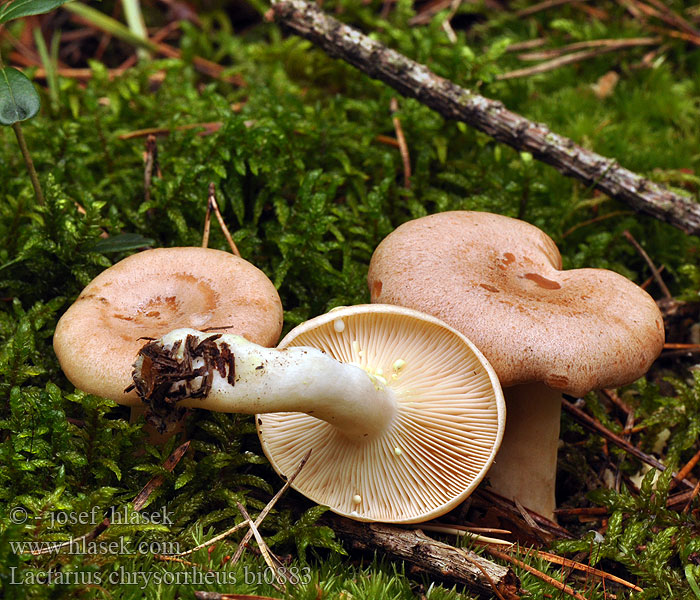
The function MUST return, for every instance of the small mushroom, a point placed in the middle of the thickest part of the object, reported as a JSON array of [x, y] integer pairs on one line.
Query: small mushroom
[[151, 293], [402, 413], [499, 281]]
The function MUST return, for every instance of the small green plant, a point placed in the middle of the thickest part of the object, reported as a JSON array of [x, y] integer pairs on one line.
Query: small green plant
[[19, 100]]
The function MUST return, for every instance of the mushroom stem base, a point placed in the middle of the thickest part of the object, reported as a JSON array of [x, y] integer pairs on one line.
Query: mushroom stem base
[[526, 464]]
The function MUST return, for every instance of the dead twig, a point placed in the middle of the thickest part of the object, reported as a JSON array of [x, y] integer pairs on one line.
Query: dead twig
[[612, 44], [213, 206], [541, 6], [489, 116], [567, 59], [150, 164], [435, 558], [171, 462], [544, 530], [572, 564], [208, 128], [527, 45], [586, 511], [687, 468], [592, 425], [649, 280], [217, 596], [265, 511], [654, 271], [693, 495], [273, 563], [403, 147], [562, 587], [598, 219], [686, 347]]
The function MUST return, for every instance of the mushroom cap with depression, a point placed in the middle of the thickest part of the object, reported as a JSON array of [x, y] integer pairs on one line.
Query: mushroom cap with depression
[[445, 433], [499, 281], [151, 293]]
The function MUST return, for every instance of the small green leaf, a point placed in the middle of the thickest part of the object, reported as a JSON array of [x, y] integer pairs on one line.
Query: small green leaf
[[18, 98], [122, 243], [690, 576], [25, 8]]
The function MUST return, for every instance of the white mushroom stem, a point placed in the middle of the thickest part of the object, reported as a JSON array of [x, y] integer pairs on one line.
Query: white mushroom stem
[[526, 464], [266, 380]]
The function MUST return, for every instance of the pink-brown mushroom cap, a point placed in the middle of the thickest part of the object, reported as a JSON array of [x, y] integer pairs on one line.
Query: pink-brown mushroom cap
[[151, 293], [499, 281]]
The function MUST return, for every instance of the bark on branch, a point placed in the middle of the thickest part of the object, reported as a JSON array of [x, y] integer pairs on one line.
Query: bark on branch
[[489, 116], [439, 560]]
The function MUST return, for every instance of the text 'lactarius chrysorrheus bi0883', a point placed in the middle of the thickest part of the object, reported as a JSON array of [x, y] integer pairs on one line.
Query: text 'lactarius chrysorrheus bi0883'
[[151, 293], [402, 414], [499, 281]]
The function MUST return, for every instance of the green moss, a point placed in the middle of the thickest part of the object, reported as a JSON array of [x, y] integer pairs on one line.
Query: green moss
[[309, 190]]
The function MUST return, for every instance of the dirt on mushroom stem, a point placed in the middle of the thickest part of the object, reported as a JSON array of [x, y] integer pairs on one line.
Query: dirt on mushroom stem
[[163, 376]]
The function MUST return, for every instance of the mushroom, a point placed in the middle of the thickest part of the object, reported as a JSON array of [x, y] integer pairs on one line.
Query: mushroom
[[402, 413], [151, 293], [546, 331]]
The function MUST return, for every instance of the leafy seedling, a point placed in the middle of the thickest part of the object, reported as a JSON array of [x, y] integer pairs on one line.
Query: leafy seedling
[[19, 100]]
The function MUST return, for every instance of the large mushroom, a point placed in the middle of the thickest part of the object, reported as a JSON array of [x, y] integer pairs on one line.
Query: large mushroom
[[150, 293], [402, 413], [546, 331]]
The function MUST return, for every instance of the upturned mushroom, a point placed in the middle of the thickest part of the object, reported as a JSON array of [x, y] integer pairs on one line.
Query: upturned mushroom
[[151, 293], [546, 331], [402, 413]]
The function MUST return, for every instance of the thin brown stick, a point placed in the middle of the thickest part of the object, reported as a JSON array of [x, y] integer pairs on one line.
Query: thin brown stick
[[213, 540], [562, 587], [592, 425], [666, 15], [586, 511], [590, 44], [150, 161], [489, 116], [387, 141], [678, 500], [175, 559], [171, 462], [598, 219], [654, 271], [572, 564], [486, 575], [271, 560], [403, 147], [541, 6], [688, 347], [213, 206], [527, 45], [266, 510], [687, 468], [201, 64], [268, 507], [209, 128], [679, 35], [78, 74], [616, 400], [561, 61], [207, 224], [202, 595], [649, 280], [693, 495]]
